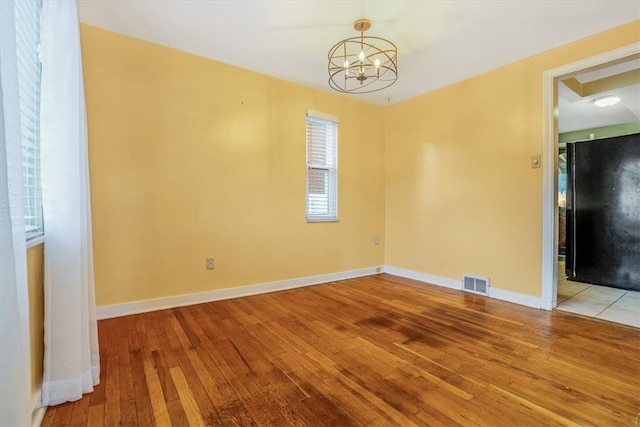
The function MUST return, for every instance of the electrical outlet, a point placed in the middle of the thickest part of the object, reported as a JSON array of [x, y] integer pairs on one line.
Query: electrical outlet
[[210, 264], [378, 269], [376, 240]]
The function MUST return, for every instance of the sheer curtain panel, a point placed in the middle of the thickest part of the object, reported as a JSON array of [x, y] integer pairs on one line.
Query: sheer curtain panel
[[71, 361], [15, 380]]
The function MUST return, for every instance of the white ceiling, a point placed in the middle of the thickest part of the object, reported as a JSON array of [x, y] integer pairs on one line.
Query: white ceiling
[[577, 113], [439, 42]]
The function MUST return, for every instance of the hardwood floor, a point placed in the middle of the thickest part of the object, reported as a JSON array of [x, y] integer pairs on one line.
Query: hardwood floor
[[379, 350]]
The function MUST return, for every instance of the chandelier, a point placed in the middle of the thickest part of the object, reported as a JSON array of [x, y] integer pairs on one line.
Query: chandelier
[[363, 64]]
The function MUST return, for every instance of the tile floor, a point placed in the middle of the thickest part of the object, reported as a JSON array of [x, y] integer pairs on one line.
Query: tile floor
[[615, 305]]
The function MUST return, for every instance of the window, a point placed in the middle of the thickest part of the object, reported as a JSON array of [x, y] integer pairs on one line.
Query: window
[[29, 75], [322, 167]]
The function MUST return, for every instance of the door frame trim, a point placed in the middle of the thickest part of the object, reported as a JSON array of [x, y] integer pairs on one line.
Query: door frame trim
[[550, 163]]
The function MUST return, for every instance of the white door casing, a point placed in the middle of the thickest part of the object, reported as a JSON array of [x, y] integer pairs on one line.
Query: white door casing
[[550, 163]]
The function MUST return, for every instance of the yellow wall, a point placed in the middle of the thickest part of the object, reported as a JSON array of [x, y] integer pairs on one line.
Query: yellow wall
[[192, 158], [461, 196], [35, 281]]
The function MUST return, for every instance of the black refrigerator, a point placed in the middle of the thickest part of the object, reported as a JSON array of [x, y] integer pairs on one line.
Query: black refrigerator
[[603, 212]]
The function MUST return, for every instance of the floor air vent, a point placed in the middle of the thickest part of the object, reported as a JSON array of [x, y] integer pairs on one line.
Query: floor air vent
[[478, 285]]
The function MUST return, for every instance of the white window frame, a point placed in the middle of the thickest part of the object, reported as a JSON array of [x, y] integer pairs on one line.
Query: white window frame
[[322, 206], [28, 35]]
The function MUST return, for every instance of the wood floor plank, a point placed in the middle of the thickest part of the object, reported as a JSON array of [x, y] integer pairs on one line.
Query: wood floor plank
[[80, 413], [112, 412], [177, 414], [142, 398], [96, 415], [63, 414], [220, 392], [129, 414], [162, 370], [187, 400], [126, 387], [161, 416], [378, 350], [205, 406]]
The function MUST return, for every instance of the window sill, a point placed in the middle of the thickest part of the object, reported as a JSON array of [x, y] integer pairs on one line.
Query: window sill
[[322, 219], [35, 241]]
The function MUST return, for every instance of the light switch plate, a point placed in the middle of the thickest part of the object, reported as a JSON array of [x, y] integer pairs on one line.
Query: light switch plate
[[535, 161]]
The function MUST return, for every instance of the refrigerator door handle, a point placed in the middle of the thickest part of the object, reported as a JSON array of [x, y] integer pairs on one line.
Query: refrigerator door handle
[[574, 223]]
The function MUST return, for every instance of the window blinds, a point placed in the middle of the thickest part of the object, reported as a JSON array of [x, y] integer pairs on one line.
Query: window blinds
[[29, 73], [322, 167]]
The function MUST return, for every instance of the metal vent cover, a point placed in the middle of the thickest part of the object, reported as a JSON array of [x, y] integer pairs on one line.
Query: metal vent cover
[[475, 284]]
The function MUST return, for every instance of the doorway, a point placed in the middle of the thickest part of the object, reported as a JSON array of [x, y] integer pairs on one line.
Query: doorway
[[550, 265], [603, 232]]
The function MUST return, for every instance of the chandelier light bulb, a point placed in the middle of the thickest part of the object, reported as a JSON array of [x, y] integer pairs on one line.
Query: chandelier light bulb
[[361, 56]]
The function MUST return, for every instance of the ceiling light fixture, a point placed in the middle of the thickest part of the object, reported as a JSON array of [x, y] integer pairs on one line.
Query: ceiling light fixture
[[606, 101], [363, 64]]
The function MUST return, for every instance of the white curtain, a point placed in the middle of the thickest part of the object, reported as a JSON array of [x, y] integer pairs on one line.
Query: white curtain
[[15, 383], [71, 361]]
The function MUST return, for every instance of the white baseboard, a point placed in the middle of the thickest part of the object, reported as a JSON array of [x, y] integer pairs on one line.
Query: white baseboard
[[423, 277], [117, 310], [37, 411], [516, 298], [501, 294]]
